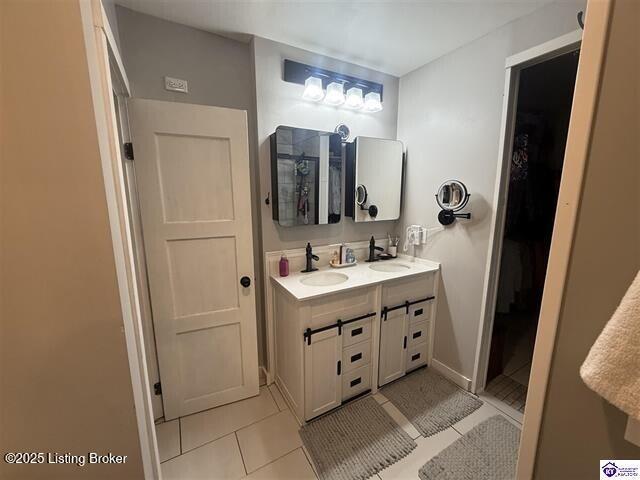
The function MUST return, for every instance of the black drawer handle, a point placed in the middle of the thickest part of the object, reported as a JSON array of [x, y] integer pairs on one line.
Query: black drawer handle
[[339, 367], [356, 331], [356, 381], [405, 342], [356, 357], [415, 357], [419, 311], [417, 334]]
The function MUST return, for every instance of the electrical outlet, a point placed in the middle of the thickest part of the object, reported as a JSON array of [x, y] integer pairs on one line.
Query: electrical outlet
[[176, 85]]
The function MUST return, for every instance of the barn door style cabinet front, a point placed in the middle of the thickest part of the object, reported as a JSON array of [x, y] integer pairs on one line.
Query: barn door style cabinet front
[[332, 348]]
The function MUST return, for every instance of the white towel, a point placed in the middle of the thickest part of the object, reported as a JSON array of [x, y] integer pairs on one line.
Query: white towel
[[612, 368]]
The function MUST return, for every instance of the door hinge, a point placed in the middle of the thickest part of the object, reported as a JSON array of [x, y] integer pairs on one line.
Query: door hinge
[[157, 388], [128, 150]]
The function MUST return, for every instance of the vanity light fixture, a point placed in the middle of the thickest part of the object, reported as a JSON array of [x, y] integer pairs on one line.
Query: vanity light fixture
[[372, 102], [354, 98], [330, 86], [335, 94], [313, 89]]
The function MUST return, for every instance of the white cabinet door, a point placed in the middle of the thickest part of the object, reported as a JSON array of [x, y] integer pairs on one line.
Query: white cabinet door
[[393, 346], [322, 373]]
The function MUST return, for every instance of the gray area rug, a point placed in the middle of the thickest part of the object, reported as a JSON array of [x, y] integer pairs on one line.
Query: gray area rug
[[355, 442], [487, 452], [429, 401]]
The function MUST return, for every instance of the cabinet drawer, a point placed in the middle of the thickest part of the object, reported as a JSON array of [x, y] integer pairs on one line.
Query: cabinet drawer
[[416, 356], [356, 332], [418, 333], [420, 312], [413, 288], [355, 356], [356, 381], [341, 306]]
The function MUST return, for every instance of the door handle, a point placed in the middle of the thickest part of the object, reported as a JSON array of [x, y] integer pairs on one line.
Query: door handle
[[245, 281]]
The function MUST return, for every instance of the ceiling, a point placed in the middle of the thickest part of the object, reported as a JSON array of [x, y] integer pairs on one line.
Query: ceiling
[[391, 36]]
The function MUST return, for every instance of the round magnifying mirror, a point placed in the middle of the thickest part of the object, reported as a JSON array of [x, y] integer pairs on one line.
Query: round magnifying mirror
[[452, 195], [361, 195]]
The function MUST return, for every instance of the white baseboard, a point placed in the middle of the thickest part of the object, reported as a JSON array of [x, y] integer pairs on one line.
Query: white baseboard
[[451, 374], [265, 372]]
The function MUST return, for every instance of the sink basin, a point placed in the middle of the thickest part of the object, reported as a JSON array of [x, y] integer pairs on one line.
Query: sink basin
[[324, 279], [388, 267]]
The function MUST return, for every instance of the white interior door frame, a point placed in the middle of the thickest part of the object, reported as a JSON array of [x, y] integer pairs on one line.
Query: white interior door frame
[[513, 66], [107, 75]]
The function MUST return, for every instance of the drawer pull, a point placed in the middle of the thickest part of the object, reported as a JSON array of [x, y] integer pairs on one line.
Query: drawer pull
[[356, 381], [405, 342], [418, 334], [356, 357], [356, 331], [419, 311], [415, 357], [339, 367]]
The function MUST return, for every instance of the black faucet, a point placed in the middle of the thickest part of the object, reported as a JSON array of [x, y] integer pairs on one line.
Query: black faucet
[[372, 250], [310, 258]]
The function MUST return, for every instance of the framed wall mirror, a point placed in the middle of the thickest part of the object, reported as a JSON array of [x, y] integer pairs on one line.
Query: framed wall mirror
[[306, 176], [374, 168]]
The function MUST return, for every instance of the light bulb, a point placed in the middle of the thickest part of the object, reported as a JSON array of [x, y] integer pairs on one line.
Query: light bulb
[[335, 94], [354, 98], [313, 89], [372, 102]]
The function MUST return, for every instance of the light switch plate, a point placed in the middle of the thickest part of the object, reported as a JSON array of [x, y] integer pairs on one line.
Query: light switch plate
[[176, 85]]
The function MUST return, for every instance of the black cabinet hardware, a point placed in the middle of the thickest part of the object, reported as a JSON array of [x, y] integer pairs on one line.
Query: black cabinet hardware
[[356, 331], [405, 342], [418, 312], [339, 367], [356, 357], [415, 357], [405, 305], [356, 381], [417, 334], [339, 324]]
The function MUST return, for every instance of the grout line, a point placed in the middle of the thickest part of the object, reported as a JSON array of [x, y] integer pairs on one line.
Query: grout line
[[271, 461], [229, 433], [244, 465]]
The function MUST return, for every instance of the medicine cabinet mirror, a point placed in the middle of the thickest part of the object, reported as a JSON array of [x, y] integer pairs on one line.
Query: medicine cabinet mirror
[[306, 176], [373, 179]]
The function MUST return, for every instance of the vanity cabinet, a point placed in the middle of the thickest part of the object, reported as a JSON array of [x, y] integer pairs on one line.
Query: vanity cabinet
[[406, 326], [333, 347]]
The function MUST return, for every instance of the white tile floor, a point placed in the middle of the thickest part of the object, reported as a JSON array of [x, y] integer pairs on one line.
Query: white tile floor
[[258, 438]]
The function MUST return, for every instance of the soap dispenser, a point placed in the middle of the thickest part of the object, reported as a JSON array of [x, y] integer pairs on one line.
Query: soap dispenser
[[284, 265]]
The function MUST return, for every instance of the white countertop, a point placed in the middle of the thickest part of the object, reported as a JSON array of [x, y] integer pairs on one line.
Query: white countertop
[[359, 275]]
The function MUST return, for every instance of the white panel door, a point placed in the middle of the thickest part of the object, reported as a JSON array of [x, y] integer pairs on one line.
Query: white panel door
[[322, 373], [393, 346], [192, 170]]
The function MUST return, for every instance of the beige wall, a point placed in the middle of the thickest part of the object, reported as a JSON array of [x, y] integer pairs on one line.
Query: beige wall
[[220, 73], [579, 428], [65, 379], [450, 115], [280, 103]]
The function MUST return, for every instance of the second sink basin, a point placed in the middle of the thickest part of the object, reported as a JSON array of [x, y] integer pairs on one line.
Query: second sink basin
[[388, 267], [324, 279]]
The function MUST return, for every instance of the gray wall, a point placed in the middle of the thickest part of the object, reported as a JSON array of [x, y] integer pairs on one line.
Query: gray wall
[[219, 72], [281, 103], [450, 114], [604, 260]]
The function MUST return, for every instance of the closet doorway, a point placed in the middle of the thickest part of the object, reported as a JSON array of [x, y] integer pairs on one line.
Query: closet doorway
[[538, 113]]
